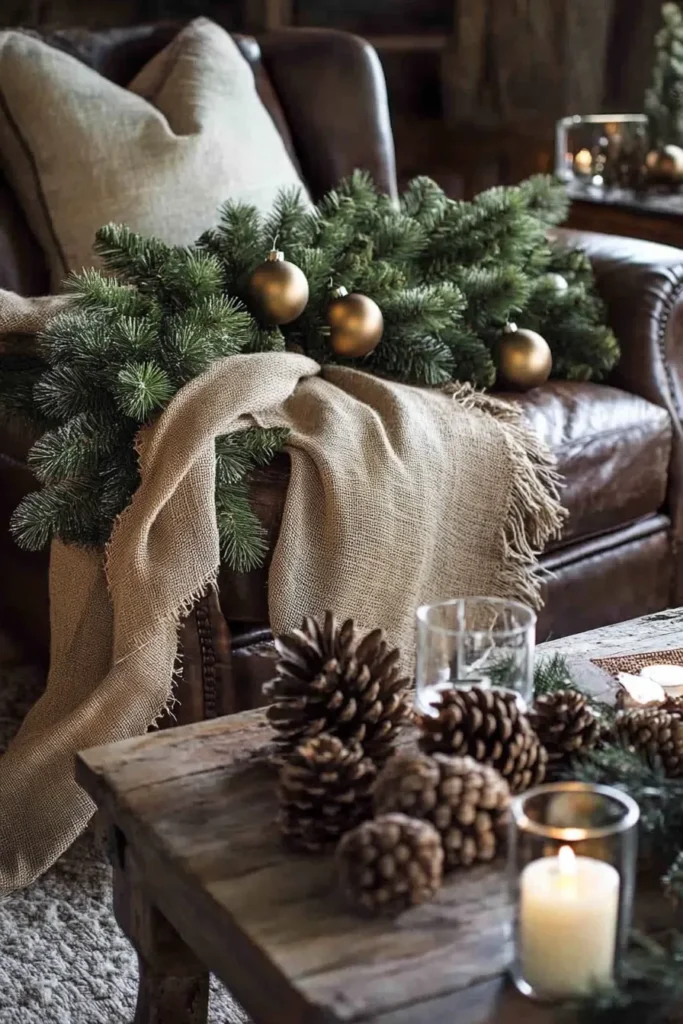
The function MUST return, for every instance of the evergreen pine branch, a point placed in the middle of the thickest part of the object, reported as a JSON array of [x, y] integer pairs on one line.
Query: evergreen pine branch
[[133, 257], [429, 309], [95, 290], [240, 451], [551, 674], [243, 540], [237, 242], [135, 337], [263, 443], [143, 389], [190, 276], [546, 199], [493, 295], [67, 509], [65, 390], [19, 376], [119, 478], [471, 358], [424, 201], [660, 799], [649, 991], [71, 450], [288, 223], [399, 237], [424, 361]]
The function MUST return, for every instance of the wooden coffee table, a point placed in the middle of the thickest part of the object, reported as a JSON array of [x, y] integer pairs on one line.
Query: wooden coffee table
[[202, 884]]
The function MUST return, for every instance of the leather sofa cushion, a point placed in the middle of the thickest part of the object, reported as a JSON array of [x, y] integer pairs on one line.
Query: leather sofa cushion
[[613, 450]]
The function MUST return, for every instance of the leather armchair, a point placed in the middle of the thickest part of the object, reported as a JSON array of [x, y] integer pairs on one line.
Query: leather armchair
[[618, 444]]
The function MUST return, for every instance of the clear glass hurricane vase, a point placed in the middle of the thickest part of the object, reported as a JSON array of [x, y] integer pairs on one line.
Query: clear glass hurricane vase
[[474, 641]]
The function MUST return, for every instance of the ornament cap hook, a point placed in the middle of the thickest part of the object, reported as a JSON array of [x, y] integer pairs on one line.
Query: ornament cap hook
[[275, 256], [340, 292], [511, 327]]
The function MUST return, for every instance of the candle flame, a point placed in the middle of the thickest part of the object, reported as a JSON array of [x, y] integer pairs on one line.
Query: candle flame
[[566, 861]]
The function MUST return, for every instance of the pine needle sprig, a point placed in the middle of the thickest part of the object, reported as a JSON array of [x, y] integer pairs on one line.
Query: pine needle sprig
[[660, 798], [650, 988]]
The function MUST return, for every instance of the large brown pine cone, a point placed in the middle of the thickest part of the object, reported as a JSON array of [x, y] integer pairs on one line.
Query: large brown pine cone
[[657, 735], [566, 724], [389, 864], [324, 789], [329, 681], [466, 802], [488, 726]]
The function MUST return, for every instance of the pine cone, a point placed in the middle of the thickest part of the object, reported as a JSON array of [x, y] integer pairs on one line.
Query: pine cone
[[324, 789], [390, 864], [657, 735], [488, 726], [466, 802], [329, 682], [565, 724]]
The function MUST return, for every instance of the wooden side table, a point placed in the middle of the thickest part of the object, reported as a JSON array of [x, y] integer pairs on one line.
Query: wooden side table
[[652, 217], [202, 883]]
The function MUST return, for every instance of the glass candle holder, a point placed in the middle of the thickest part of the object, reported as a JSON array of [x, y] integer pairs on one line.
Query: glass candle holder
[[572, 860], [474, 641], [601, 149]]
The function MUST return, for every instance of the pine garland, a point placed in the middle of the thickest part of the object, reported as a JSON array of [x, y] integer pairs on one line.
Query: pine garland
[[447, 275]]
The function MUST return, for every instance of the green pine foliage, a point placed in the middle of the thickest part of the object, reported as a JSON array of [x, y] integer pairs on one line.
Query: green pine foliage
[[447, 275], [664, 98]]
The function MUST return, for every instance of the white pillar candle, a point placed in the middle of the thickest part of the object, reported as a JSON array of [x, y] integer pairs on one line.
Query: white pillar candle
[[669, 677], [569, 908]]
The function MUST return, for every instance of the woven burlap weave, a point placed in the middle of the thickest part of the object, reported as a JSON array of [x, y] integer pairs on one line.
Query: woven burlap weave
[[634, 663], [397, 496]]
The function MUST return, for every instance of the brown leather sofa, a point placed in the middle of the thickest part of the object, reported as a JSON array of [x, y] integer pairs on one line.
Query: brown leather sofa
[[618, 445]]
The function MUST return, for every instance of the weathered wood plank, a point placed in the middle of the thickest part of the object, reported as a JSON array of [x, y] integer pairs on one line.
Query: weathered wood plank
[[659, 632], [219, 825], [197, 807]]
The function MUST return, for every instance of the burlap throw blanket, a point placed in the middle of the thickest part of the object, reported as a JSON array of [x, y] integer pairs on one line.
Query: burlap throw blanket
[[397, 496]]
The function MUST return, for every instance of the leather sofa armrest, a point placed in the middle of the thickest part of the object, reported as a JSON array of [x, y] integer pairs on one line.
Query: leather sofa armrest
[[642, 286], [332, 89]]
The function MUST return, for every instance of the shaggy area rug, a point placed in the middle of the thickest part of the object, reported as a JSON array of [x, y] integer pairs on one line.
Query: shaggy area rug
[[63, 958]]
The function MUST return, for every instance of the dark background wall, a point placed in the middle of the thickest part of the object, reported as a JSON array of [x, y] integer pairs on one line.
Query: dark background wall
[[475, 85]]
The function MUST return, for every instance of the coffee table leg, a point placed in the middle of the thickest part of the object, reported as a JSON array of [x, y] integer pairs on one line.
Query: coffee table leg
[[167, 999], [173, 986]]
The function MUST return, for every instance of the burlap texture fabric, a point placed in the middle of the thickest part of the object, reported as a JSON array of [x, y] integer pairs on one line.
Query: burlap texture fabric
[[634, 663], [397, 496]]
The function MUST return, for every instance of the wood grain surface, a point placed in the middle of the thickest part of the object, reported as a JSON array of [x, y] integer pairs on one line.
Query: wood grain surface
[[196, 807]]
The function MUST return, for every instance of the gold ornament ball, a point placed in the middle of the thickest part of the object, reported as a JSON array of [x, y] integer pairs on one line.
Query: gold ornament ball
[[356, 324], [665, 165], [524, 359], [277, 290]]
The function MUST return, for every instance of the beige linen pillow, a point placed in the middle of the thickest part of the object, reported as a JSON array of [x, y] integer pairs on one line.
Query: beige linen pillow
[[188, 133]]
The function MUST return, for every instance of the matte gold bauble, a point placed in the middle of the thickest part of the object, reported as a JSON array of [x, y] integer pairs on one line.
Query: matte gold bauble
[[277, 290], [356, 324], [524, 359], [665, 165]]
